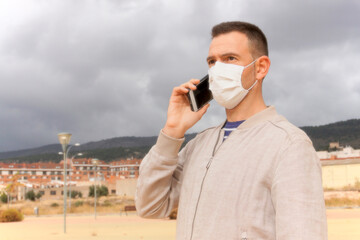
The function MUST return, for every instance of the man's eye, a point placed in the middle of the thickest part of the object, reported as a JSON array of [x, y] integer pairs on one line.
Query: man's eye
[[211, 62], [230, 58]]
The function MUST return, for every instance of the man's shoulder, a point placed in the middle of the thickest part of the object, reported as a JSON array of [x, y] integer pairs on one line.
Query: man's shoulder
[[292, 132]]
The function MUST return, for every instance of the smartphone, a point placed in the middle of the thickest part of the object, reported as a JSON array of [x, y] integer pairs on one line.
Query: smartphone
[[201, 96]]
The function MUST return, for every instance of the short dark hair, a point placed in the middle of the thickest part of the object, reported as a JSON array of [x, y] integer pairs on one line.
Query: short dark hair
[[257, 40]]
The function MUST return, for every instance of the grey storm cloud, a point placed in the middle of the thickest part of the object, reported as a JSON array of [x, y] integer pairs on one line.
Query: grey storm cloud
[[102, 69]]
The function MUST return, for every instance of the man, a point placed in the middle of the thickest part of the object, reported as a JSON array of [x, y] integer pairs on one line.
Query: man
[[256, 176]]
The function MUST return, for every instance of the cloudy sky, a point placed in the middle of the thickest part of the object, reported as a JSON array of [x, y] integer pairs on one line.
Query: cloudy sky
[[106, 68]]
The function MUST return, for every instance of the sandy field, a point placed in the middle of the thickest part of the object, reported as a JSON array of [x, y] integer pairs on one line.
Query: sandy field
[[343, 224]]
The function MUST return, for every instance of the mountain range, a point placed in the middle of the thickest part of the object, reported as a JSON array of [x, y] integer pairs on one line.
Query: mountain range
[[344, 132]]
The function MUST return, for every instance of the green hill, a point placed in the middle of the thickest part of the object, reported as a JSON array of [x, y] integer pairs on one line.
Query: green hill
[[345, 132]]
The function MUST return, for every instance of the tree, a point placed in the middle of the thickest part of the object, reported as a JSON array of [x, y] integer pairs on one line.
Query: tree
[[30, 195], [12, 187], [38, 195], [4, 198]]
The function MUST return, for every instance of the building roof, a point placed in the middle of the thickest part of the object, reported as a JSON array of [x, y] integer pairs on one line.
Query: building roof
[[340, 161]]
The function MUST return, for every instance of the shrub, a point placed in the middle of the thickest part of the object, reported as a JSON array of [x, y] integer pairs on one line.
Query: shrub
[[78, 203], [54, 204], [100, 191], [11, 215], [107, 203], [173, 214], [75, 194]]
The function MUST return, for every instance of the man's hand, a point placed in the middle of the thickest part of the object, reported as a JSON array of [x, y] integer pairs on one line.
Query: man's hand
[[180, 117]]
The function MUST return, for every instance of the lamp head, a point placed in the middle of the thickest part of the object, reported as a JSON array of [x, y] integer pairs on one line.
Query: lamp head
[[64, 138]]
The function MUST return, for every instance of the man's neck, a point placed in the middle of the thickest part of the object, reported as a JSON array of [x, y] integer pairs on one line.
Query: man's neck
[[247, 108]]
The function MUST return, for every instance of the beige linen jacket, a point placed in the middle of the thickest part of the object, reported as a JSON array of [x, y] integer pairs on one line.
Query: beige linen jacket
[[263, 182]]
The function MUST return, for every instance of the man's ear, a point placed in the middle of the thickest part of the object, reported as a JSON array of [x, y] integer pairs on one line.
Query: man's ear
[[262, 66]]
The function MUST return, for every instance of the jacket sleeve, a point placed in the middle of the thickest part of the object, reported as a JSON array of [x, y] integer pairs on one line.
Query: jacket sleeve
[[297, 194], [158, 185]]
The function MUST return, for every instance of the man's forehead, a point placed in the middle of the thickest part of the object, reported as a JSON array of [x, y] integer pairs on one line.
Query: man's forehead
[[233, 41]]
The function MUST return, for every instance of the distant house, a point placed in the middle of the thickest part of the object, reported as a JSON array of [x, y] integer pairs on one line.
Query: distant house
[[80, 172], [340, 168]]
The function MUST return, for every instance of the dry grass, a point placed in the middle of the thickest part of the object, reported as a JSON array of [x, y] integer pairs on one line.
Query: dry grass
[[342, 198], [110, 204], [342, 202]]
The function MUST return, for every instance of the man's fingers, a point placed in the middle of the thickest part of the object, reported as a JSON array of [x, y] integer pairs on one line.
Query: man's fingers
[[203, 110], [191, 84], [180, 90], [184, 88]]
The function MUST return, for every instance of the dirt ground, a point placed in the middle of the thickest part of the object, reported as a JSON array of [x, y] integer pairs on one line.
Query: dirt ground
[[343, 224]]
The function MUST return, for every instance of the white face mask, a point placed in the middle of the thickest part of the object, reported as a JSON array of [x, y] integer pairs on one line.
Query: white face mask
[[225, 84]]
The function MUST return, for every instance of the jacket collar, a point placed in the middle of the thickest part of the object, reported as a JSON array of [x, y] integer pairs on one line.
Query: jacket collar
[[260, 117]]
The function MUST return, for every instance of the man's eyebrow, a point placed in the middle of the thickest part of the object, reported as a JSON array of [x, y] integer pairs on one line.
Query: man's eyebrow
[[224, 55], [209, 58], [230, 54]]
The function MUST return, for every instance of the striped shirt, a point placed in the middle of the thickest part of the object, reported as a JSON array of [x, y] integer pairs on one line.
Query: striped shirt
[[229, 127]]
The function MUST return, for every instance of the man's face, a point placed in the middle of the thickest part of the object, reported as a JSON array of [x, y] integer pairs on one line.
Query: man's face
[[233, 48]]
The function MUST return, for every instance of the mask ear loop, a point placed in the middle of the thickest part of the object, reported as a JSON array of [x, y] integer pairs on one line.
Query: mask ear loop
[[256, 79], [251, 63], [252, 85]]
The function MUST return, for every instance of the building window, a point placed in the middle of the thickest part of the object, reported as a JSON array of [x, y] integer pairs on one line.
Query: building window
[[113, 191], [52, 192]]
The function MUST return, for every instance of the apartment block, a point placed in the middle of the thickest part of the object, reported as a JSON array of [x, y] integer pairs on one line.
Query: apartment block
[[45, 175]]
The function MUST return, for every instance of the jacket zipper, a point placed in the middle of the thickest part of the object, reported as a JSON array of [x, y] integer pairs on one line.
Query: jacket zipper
[[202, 183], [244, 236]]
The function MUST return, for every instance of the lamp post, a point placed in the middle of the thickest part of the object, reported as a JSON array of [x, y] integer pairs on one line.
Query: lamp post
[[67, 154], [64, 139], [95, 162], [78, 154]]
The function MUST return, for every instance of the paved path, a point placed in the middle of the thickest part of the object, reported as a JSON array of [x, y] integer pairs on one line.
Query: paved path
[[343, 224], [109, 227]]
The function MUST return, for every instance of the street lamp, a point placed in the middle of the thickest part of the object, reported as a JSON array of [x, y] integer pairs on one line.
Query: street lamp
[[95, 162], [72, 158], [78, 154], [64, 139]]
